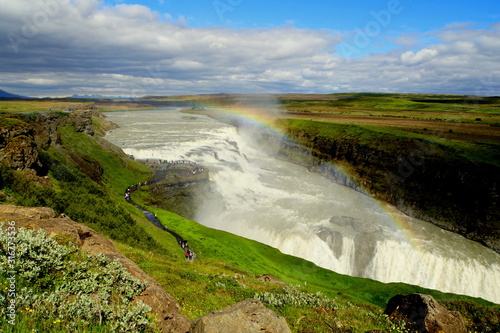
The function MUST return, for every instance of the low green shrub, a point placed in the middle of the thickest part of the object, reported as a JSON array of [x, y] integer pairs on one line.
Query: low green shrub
[[478, 318], [54, 286], [295, 297]]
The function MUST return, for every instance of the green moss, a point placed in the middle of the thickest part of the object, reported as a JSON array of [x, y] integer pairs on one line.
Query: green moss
[[119, 171], [9, 123]]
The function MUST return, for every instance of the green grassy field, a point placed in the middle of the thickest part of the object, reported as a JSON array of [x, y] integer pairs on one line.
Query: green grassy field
[[38, 105], [385, 105]]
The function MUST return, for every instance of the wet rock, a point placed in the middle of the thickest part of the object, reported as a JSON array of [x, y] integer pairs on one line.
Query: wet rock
[[248, 316], [180, 193], [424, 314], [345, 229]]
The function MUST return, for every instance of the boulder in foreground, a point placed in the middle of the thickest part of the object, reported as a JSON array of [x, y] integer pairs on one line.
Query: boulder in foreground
[[247, 316], [424, 314]]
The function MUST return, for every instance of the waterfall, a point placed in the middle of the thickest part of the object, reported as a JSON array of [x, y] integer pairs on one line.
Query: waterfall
[[257, 196]]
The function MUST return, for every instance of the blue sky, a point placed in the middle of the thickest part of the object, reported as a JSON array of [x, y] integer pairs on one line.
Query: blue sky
[[137, 47], [394, 17], [318, 14]]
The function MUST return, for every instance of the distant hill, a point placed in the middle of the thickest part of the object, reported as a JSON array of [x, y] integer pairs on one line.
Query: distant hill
[[100, 97], [6, 95]]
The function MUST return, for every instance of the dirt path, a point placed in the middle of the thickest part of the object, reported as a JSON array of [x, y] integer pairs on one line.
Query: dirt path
[[190, 255]]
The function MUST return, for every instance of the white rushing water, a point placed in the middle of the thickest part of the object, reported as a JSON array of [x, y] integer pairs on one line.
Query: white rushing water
[[258, 196]]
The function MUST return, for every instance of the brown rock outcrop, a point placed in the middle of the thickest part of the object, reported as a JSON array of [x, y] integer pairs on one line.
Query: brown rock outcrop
[[163, 305], [18, 148], [248, 316], [424, 314], [21, 138], [46, 129], [82, 120], [21, 154]]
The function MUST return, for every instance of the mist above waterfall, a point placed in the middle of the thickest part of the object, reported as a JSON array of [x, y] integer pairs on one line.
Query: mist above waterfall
[[255, 195], [253, 116]]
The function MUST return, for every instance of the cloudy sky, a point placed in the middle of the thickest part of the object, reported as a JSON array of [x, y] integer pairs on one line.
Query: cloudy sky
[[163, 47]]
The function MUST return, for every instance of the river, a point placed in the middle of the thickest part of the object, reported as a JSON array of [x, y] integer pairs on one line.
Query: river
[[301, 213]]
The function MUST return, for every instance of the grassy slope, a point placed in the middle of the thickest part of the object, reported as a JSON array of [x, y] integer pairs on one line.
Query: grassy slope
[[119, 171], [249, 256]]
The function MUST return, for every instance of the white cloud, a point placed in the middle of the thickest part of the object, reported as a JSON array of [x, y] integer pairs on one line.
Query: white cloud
[[414, 58], [86, 7], [406, 40], [459, 25], [40, 81], [82, 45]]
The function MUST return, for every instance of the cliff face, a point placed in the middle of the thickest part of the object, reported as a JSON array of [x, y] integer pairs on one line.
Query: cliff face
[[18, 148], [420, 178], [22, 136]]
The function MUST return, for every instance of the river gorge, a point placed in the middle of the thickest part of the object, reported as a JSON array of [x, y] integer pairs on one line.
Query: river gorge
[[258, 196]]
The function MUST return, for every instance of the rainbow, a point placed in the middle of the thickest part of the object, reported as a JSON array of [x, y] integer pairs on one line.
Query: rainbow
[[258, 116], [266, 117]]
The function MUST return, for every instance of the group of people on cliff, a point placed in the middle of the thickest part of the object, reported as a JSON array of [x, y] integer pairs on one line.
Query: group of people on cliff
[[134, 187], [165, 165], [188, 253]]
